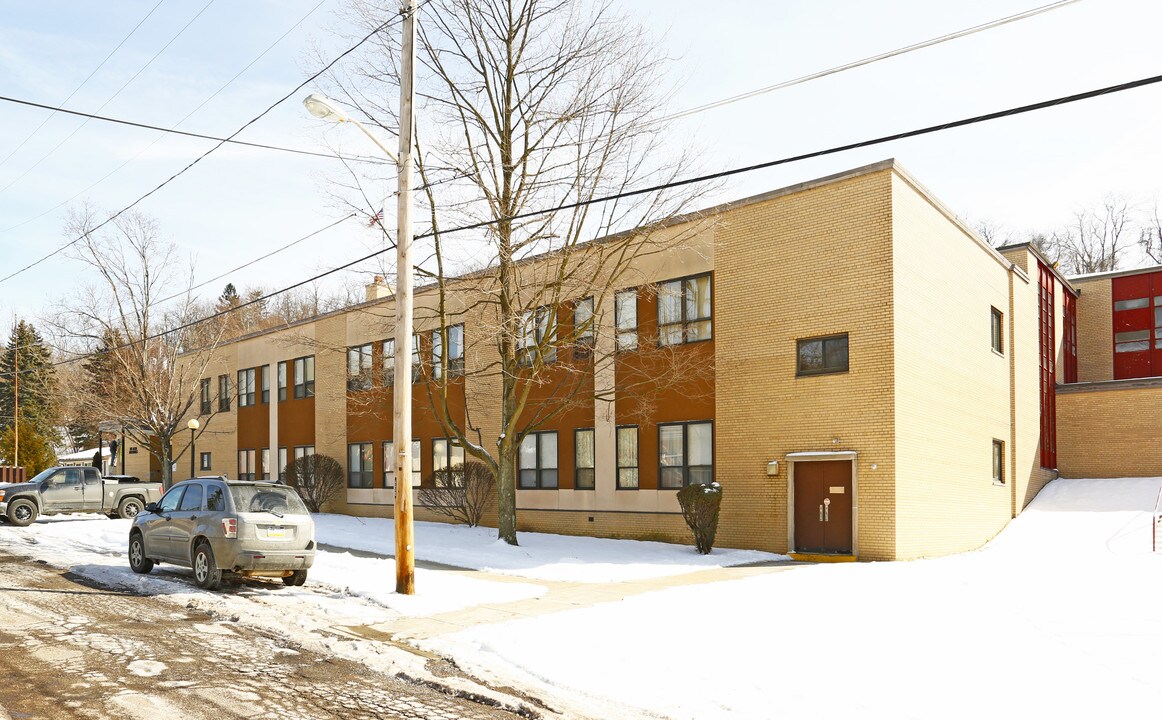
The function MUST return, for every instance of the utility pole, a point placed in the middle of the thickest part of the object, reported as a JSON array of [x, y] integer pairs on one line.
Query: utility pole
[[405, 561], [16, 403]]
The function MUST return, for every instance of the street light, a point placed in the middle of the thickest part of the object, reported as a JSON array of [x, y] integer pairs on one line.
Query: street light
[[193, 425], [325, 109]]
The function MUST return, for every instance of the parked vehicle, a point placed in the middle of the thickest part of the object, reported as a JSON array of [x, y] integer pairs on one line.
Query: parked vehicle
[[74, 490], [217, 526]]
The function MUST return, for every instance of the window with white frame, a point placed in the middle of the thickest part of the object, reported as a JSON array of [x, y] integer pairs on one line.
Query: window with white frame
[[246, 467], [684, 309], [625, 310], [627, 458], [583, 457], [245, 387], [685, 454], [455, 335], [389, 464], [537, 460], [359, 367], [998, 462]]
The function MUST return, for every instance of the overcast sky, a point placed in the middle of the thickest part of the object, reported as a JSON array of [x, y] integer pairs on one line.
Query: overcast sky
[[1025, 173]]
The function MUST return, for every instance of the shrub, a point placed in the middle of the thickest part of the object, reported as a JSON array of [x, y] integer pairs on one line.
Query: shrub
[[461, 493], [317, 477], [700, 504]]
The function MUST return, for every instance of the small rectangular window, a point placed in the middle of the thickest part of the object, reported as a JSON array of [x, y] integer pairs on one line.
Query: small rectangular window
[[685, 454], [359, 367], [583, 328], [455, 335], [998, 334], [537, 460], [282, 464], [282, 381], [583, 457], [205, 390], [389, 363], [537, 338], [304, 369], [417, 361], [1135, 304], [265, 372], [818, 356], [389, 464], [246, 467], [998, 462], [223, 393], [684, 310], [360, 465], [625, 309], [204, 461], [627, 458], [246, 387], [265, 467], [447, 456]]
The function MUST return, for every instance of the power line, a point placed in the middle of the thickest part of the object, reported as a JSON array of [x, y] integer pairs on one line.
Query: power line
[[1064, 100], [203, 156], [869, 60]]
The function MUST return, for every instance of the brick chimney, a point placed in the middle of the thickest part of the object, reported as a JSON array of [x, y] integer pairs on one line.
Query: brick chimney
[[377, 289]]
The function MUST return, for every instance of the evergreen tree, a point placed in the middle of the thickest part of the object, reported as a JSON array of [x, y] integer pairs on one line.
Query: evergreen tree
[[36, 449], [39, 398]]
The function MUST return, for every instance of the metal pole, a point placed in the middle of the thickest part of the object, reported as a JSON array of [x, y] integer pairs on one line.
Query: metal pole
[[405, 564], [192, 453]]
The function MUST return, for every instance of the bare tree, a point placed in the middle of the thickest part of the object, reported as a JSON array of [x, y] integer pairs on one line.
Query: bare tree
[[1150, 236], [1097, 238], [144, 386], [461, 493], [319, 478], [527, 106]]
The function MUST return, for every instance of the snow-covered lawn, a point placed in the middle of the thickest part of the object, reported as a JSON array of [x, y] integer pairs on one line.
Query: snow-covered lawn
[[1060, 616]]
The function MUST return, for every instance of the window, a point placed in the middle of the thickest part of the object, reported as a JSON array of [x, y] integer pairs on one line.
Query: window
[[205, 396], [583, 459], [998, 462], [246, 467], [455, 351], [215, 498], [625, 308], [192, 500], [389, 363], [583, 328], [389, 464], [223, 393], [1137, 326], [818, 356], [538, 331], [447, 454], [1047, 363], [282, 381], [627, 458], [359, 367], [282, 464], [302, 451], [360, 460], [305, 376], [998, 332], [537, 460], [684, 310], [265, 463], [1070, 339], [204, 461], [685, 454], [265, 372], [245, 387]]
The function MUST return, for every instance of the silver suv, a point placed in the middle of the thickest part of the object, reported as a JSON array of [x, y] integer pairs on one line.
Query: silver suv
[[215, 525]]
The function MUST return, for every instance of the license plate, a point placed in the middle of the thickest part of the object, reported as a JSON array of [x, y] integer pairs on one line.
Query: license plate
[[276, 532]]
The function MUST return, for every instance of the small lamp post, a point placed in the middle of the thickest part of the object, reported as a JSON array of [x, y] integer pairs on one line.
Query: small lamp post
[[193, 425]]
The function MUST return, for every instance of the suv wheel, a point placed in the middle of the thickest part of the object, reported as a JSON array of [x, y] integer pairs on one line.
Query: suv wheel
[[296, 578], [206, 572], [21, 513], [137, 560]]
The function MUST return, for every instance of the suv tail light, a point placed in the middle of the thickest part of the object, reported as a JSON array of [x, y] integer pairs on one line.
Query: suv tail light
[[230, 527]]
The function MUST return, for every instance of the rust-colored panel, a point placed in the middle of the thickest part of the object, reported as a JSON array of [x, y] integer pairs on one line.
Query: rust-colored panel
[[296, 423], [254, 426]]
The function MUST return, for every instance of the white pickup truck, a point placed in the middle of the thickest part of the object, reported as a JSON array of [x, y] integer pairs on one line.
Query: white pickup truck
[[74, 490]]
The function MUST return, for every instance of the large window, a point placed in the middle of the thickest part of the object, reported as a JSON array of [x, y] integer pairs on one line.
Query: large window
[[455, 352], [1137, 330], [684, 310], [223, 393], [583, 328], [245, 387], [205, 389], [685, 454], [627, 458], [583, 459], [304, 376], [822, 355], [999, 462], [359, 367], [538, 332], [246, 468], [625, 309], [282, 381], [447, 454], [360, 465], [389, 464], [998, 331], [538, 460]]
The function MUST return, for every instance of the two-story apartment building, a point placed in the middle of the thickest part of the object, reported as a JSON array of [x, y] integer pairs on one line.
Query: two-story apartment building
[[860, 371]]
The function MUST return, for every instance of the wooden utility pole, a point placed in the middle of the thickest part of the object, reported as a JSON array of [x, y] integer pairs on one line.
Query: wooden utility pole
[[16, 403], [405, 560]]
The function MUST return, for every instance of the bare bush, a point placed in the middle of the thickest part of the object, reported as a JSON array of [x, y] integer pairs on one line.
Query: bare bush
[[700, 504], [461, 493], [318, 478]]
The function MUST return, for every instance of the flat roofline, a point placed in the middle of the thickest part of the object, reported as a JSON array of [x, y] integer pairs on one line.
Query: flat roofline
[[1067, 282], [1115, 273]]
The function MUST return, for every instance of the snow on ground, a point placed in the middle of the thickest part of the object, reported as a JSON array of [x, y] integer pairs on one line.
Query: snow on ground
[[539, 556], [1060, 616]]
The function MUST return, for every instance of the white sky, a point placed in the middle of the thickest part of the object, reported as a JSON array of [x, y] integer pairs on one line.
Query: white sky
[[1023, 173]]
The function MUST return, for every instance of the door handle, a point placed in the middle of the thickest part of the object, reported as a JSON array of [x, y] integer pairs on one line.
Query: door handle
[[826, 509], [820, 513]]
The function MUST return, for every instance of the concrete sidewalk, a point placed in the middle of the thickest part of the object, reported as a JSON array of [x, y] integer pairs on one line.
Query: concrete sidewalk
[[561, 596]]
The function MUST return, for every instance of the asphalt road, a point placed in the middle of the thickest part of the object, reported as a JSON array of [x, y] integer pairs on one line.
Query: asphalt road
[[69, 649]]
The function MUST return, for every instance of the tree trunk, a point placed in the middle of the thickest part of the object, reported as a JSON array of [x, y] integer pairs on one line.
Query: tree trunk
[[166, 452], [506, 493]]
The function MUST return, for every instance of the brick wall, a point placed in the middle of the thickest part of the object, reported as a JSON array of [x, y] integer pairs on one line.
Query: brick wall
[[1110, 429]]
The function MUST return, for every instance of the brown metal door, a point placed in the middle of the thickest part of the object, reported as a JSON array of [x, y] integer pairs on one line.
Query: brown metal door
[[823, 506]]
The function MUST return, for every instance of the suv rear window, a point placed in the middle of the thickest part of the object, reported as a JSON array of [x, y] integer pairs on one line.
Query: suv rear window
[[284, 500]]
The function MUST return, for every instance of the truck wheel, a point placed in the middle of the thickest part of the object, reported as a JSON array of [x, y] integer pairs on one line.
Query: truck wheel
[[206, 572], [137, 560], [296, 578], [21, 513], [129, 508]]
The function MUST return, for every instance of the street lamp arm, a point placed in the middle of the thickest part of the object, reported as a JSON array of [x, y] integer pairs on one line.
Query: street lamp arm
[[374, 139]]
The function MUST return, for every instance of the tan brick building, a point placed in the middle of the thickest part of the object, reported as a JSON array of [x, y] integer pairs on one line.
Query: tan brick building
[[863, 375]]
